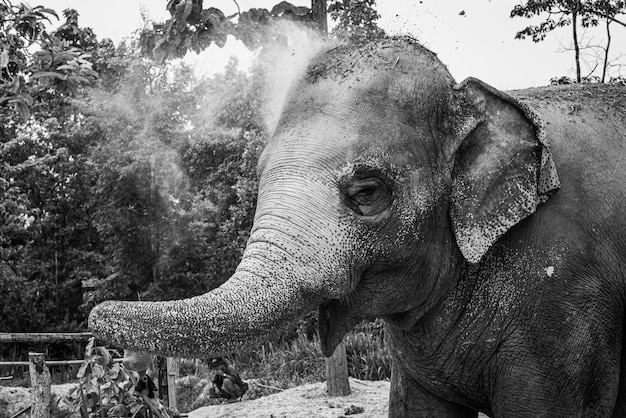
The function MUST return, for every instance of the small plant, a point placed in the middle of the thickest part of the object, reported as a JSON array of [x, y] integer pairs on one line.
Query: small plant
[[106, 389], [368, 356]]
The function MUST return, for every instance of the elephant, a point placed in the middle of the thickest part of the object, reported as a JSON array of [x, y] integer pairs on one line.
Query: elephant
[[486, 228]]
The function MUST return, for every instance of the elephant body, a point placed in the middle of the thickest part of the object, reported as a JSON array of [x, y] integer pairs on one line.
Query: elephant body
[[485, 228], [536, 328]]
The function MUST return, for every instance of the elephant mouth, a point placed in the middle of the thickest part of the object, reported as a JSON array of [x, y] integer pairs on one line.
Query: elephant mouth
[[334, 323]]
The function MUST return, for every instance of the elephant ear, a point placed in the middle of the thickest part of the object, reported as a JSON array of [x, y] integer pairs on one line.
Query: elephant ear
[[502, 166]]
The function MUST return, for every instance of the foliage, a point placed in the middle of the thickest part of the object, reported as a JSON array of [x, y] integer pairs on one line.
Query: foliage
[[193, 28], [562, 13], [95, 204], [46, 245], [282, 363], [137, 188], [286, 363], [562, 9], [176, 187], [140, 183], [142, 186], [106, 389], [356, 20], [369, 358], [45, 237], [565, 12], [59, 64]]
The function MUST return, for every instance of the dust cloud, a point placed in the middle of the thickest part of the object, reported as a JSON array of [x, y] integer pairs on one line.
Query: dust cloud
[[285, 62]]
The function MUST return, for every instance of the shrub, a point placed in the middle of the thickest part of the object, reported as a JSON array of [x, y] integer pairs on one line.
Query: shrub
[[295, 360], [367, 354]]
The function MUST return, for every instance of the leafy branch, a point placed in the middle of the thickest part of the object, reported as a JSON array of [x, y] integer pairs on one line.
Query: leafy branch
[[570, 12], [106, 388], [191, 27], [57, 65]]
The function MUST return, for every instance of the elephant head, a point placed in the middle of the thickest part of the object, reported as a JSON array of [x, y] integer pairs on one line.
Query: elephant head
[[382, 179]]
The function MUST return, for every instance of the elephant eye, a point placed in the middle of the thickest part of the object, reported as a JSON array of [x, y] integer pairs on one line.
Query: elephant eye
[[368, 196]]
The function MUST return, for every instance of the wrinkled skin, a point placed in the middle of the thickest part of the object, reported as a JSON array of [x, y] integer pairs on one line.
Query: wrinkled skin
[[389, 191]]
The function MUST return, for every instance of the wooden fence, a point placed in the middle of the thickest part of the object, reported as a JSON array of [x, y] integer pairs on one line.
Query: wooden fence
[[40, 375]]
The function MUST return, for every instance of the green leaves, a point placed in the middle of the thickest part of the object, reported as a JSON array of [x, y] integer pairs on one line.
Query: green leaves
[[356, 20], [143, 185], [562, 13], [60, 64], [192, 28], [189, 28], [63, 70], [590, 13], [105, 387]]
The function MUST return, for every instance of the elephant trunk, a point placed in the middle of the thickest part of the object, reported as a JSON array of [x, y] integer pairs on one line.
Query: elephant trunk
[[238, 314], [283, 274]]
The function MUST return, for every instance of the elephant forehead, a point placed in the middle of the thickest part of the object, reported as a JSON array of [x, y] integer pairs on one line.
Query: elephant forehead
[[330, 114], [330, 141]]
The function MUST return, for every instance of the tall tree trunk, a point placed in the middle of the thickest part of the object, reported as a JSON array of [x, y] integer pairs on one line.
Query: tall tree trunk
[[606, 49], [575, 35]]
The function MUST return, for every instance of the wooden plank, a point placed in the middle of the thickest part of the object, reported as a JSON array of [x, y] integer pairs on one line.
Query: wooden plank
[[13, 363], [40, 382], [49, 363], [43, 337]]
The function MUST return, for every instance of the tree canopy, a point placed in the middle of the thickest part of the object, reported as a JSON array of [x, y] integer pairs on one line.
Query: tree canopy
[[561, 13], [122, 178]]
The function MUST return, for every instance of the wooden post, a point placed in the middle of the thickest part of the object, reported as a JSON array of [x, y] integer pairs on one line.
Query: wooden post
[[160, 376], [40, 381], [337, 381], [172, 374]]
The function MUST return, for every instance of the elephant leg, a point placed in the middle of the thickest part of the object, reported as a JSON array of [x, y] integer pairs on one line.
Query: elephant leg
[[408, 400]]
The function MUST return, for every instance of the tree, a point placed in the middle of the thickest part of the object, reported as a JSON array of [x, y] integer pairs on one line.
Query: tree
[[193, 28], [356, 20], [25, 76], [567, 13], [140, 182], [606, 10], [139, 189], [176, 228], [562, 13], [45, 244]]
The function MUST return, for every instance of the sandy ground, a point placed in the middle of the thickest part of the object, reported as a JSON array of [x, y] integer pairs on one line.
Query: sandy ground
[[368, 399], [14, 399], [308, 401]]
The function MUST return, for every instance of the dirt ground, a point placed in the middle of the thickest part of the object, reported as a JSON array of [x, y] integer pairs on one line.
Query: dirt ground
[[308, 401], [367, 400]]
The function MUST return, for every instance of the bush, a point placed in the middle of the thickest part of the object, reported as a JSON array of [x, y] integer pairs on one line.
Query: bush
[[368, 355], [289, 363], [283, 364], [294, 359]]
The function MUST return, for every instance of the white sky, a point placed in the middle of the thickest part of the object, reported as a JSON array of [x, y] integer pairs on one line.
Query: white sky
[[478, 43]]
